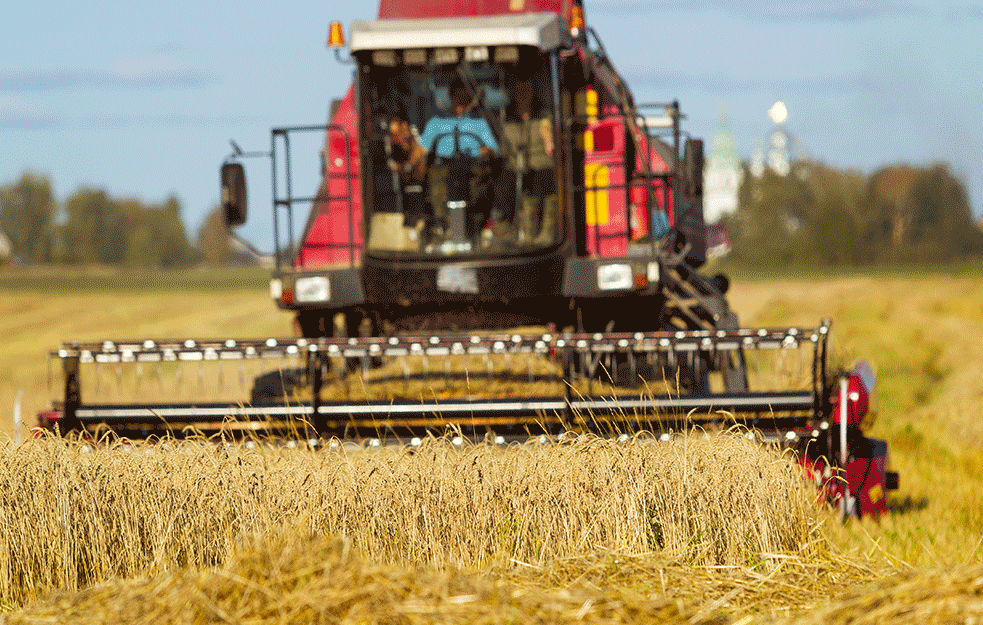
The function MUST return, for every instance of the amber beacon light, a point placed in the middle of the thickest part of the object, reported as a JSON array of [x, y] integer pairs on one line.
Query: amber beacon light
[[336, 35], [576, 20]]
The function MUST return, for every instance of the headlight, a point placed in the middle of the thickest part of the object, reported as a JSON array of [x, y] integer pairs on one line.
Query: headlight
[[312, 289], [276, 288], [652, 272], [613, 277]]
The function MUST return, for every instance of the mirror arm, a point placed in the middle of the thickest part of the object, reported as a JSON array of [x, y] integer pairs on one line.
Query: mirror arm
[[344, 61], [265, 259]]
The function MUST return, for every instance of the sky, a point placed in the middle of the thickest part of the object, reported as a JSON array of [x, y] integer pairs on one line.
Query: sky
[[142, 98]]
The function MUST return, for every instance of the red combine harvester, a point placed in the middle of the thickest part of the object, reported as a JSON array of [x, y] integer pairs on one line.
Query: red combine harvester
[[499, 221]]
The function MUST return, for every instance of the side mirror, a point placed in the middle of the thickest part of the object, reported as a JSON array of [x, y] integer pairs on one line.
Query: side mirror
[[233, 194], [693, 166]]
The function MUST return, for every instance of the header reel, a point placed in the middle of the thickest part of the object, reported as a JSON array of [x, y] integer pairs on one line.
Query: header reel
[[516, 383]]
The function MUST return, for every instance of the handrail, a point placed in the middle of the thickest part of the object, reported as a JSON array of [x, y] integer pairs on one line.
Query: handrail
[[289, 201]]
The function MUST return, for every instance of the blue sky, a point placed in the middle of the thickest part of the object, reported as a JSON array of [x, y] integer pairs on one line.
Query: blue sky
[[142, 98]]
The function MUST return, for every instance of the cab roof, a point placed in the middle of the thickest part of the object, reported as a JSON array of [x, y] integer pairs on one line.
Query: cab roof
[[541, 30]]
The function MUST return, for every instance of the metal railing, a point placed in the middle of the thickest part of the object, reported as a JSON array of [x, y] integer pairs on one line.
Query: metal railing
[[288, 200]]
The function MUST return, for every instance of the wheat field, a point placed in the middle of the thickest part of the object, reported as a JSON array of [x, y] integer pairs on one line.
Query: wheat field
[[696, 531], [78, 513]]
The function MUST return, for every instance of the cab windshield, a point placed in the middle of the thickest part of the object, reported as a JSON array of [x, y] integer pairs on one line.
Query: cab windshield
[[461, 156]]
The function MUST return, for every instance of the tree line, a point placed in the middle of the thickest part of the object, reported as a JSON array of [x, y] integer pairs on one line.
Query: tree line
[[92, 228], [814, 215], [820, 215]]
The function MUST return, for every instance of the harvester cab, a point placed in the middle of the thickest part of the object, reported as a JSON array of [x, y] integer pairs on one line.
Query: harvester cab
[[503, 244], [500, 176]]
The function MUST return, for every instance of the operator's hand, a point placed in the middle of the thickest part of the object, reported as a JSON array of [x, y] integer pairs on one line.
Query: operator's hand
[[402, 134]]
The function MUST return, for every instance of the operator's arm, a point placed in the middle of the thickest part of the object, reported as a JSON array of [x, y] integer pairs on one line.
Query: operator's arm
[[484, 131], [433, 128], [417, 164], [546, 132]]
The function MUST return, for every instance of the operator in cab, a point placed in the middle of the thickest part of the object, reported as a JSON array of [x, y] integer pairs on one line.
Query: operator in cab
[[444, 127], [458, 142], [408, 160], [529, 168]]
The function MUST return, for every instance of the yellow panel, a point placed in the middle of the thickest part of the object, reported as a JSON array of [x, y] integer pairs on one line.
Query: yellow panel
[[586, 140], [597, 201], [581, 103], [586, 104]]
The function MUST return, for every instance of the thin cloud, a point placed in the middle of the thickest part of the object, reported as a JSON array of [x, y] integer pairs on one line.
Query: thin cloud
[[775, 10], [159, 121], [837, 10], [18, 113], [130, 72], [723, 83], [152, 68], [631, 7], [970, 12]]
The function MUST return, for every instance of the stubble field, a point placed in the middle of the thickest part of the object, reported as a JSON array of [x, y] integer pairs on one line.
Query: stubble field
[[696, 531]]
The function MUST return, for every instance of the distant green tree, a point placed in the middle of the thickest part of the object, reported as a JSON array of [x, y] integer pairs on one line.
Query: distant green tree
[[156, 235], [27, 213], [95, 229], [772, 224], [143, 246], [922, 214], [819, 214], [888, 198], [943, 225], [837, 222], [213, 240], [101, 230], [178, 251]]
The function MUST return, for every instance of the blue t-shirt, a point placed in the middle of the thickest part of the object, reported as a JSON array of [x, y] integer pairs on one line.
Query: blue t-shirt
[[445, 146]]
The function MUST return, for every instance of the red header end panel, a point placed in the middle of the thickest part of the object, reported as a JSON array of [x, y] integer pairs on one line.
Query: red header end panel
[[464, 8], [866, 473], [334, 229]]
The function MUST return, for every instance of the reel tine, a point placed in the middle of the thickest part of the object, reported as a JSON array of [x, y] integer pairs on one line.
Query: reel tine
[[632, 367], [138, 378]]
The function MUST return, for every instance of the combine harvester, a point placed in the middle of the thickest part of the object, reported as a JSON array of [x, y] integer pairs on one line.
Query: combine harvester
[[504, 243]]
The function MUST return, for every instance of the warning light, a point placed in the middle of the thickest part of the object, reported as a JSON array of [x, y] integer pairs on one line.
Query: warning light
[[336, 36], [576, 21]]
